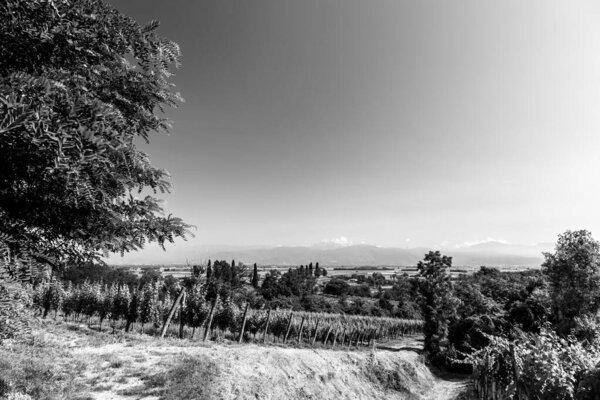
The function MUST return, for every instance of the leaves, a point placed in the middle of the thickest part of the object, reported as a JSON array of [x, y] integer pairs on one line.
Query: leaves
[[73, 103]]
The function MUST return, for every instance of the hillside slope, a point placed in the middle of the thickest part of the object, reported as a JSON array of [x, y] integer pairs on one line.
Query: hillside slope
[[103, 366]]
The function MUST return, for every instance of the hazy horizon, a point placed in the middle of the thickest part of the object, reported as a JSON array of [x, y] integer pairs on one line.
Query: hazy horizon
[[394, 123]]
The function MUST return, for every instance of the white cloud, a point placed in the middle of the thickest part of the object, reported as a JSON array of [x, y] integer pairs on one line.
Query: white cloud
[[341, 241], [486, 240]]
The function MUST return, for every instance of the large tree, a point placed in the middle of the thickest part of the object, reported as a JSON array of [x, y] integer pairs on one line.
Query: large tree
[[573, 273], [80, 85], [437, 301]]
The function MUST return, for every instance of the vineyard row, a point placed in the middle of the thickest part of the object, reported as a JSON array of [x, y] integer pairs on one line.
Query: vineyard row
[[191, 310]]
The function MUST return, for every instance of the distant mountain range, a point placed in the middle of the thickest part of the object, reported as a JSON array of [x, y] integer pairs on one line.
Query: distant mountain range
[[489, 254]]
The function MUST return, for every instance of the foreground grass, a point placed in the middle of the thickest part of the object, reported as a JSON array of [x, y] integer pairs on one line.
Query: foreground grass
[[71, 361], [50, 365], [40, 372]]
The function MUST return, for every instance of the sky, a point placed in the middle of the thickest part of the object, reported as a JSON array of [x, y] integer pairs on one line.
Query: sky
[[397, 123]]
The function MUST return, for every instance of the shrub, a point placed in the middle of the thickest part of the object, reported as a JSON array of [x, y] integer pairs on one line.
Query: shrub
[[336, 287]]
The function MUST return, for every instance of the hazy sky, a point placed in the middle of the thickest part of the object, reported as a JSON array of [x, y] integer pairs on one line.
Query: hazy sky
[[396, 123]]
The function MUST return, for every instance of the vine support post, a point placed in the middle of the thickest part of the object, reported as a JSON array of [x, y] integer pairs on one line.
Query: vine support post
[[289, 326], [267, 326], [335, 336], [316, 331], [300, 330], [171, 313], [243, 323], [210, 318], [327, 335]]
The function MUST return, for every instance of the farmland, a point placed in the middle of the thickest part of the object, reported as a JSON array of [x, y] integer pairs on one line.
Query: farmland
[[180, 270]]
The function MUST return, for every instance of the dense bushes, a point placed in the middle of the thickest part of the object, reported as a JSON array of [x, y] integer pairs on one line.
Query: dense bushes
[[540, 366], [556, 352]]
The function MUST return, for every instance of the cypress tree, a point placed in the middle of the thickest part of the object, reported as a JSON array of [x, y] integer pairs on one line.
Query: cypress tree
[[255, 276], [310, 269]]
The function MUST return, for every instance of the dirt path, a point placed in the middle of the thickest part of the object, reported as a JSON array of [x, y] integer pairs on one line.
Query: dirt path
[[446, 389]]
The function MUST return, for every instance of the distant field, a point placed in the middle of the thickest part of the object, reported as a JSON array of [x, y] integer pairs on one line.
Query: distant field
[[180, 271]]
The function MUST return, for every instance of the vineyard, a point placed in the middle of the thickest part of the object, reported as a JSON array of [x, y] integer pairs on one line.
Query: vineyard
[[150, 310]]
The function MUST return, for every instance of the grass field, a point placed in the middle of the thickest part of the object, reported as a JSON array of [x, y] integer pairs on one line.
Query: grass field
[[71, 361]]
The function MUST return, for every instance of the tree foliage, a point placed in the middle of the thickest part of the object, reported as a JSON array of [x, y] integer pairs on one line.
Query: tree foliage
[[573, 273], [80, 83], [437, 302]]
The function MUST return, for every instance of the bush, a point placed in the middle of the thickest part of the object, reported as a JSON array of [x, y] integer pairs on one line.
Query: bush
[[336, 287], [549, 367]]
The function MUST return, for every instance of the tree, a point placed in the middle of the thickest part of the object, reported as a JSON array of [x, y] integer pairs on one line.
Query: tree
[[270, 287], [436, 300], [77, 273], [208, 272], [79, 84], [573, 273], [255, 276], [336, 287], [149, 276]]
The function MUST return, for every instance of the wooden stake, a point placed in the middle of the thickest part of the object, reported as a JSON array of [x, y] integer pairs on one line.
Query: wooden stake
[[289, 326], [335, 336], [267, 326], [243, 323], [171, 313], [300, 331], [327, 335], [210, 318], [316, 330]]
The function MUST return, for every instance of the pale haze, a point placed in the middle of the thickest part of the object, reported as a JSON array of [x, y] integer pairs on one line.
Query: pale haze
[[394, 123]]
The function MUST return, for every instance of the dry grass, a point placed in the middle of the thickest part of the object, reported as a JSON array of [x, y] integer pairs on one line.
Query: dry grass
[[71, 361]]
